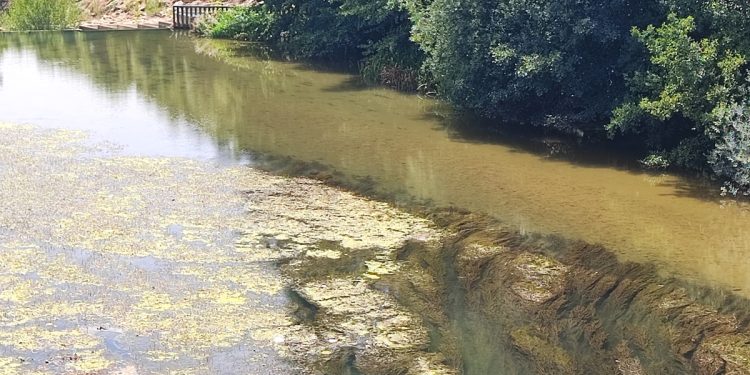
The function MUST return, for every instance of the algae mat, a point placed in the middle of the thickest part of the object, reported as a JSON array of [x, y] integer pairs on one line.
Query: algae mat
[[117, 264]]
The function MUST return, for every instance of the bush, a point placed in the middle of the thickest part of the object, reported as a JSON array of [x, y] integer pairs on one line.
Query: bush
[[249, 23], [730, 157], [336, 29], [42, 15], [546, 62], [687, 76], [680, 96], [373, 34], [393, 61]]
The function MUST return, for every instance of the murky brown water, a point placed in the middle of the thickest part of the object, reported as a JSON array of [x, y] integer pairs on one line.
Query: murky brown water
[[161, 94]]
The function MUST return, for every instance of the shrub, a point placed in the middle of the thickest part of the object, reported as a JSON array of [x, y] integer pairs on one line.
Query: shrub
[[253, 23], [730, 157], [152, 7], [135, 7], [680, 96], [544, 62], [42, 14], [393, 61], [373, 34], [655, 161], [686, 76]]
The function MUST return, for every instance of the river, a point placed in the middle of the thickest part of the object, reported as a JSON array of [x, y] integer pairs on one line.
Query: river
[[165, 94]]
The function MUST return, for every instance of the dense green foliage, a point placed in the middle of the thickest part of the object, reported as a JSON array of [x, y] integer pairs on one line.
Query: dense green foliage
[[41, 15], [374, 33], [239, 23], [671, 74], [688, 101]]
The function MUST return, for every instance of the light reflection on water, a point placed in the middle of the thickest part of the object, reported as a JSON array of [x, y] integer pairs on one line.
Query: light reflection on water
[[163, 94]]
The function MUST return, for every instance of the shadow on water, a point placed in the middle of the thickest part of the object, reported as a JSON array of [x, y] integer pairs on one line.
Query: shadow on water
[[582, 153], [353, 83]]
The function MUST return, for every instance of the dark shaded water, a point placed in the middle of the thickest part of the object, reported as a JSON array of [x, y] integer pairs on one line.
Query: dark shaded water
[[158, 93]]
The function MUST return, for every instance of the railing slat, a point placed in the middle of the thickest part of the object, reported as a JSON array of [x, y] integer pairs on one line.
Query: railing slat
[[183, 16]]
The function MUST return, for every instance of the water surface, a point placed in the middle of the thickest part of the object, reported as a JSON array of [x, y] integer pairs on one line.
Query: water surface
[[164, 94]]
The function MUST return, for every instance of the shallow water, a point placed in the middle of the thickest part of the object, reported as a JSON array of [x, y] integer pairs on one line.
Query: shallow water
[[163, 94], [124, 265]]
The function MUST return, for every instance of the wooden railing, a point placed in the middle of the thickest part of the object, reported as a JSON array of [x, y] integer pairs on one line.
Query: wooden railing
[[183, 16]]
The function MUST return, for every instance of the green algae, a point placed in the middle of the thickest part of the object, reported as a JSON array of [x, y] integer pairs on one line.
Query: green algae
[[545, 354], [170, 258], [538, 278]]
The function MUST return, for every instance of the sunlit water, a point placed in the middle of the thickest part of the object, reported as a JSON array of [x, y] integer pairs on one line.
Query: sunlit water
[[163, 94]]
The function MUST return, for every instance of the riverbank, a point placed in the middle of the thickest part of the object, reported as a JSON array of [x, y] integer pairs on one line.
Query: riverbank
[[128, 12], [132, 14]]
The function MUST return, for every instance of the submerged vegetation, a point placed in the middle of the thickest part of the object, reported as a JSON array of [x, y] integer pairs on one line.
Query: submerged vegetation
[[669, 76], [40, 15]]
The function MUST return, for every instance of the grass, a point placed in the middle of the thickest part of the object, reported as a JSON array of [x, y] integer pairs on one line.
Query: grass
[[153, 7], [41, 15], [149, 7]]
